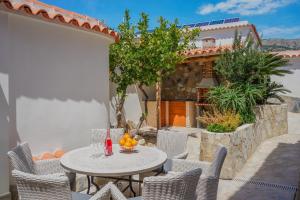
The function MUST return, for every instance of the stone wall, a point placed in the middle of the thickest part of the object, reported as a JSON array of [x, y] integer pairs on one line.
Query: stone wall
[[183, 82], [271, 121]]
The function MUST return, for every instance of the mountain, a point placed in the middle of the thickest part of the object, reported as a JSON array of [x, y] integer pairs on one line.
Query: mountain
[[281, 44]]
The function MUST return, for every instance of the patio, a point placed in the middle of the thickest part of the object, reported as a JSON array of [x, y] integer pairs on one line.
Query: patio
[[180, 112], [273, 171]]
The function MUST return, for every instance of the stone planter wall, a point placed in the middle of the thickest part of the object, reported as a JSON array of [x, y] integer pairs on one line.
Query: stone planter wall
[[271, 121]]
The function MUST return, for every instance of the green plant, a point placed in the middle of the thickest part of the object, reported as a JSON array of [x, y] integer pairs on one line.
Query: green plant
[[123, 64], [238, 98], [246, 73], [216, 121], [144, 59], [160, 52], [273, 90], [247, 64], [217, 128]]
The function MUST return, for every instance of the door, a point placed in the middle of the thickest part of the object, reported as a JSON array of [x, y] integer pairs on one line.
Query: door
[[177, 113]]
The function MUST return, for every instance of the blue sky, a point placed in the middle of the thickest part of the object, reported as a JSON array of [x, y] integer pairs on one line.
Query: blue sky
[[273, 18]]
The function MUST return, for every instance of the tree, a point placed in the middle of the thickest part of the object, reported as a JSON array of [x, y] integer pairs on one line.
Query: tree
[[123, 64], [161, 50], [146, 57]]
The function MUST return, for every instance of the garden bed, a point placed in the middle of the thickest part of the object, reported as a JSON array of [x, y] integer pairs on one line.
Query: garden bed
[[271, 121]]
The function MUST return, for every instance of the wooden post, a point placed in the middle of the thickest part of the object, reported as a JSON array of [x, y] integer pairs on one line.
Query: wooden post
[[158, 102]]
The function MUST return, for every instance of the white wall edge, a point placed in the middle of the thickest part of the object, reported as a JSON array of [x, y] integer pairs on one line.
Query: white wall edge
[[79, 29]]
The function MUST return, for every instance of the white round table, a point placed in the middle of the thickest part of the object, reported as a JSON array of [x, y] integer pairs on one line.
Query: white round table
[[84, 161]]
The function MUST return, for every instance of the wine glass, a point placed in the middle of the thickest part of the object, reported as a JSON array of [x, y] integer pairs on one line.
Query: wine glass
[[97, 141]]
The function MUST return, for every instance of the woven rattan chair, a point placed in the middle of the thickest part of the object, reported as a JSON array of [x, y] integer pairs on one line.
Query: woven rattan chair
[[181, 186], [207, 187], [174, 144], [48, 187], [21, 159], [115, 133]]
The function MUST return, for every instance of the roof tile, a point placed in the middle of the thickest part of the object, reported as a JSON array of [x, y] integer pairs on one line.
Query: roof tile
[[48, 12], [206, 51], [289, 53]]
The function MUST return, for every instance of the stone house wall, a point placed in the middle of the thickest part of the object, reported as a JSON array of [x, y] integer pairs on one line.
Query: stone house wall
[[183, 82]]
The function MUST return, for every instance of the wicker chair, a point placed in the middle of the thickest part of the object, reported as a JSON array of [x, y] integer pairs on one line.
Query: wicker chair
[[21, 159], [174, 144], [115, 134], [181, 186], [48, 187], [207, 188]]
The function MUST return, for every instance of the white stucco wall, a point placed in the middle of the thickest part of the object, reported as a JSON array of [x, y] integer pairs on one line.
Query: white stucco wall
[[291, 81], [54, 85], [4, 110], [134, 105], [224, 37]]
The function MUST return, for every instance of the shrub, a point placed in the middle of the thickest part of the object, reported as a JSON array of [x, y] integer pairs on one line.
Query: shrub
[[218, 128], [239, 98], [246, 79], [246, 63], [216, 121]]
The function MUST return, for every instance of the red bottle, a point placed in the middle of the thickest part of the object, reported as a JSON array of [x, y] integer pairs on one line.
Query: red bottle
[[108, 144]]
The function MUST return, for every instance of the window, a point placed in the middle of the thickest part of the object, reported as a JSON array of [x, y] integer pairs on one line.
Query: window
[[208, 42]]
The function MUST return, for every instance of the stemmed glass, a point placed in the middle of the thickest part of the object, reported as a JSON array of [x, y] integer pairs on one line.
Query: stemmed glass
[[97, 141]]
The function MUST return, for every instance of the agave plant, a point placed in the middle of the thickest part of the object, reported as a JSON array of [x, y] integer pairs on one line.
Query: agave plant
[[237, 98], [273, 91]]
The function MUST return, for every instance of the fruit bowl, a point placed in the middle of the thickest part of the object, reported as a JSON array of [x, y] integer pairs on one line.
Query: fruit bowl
[[127, 149], [127, 143]]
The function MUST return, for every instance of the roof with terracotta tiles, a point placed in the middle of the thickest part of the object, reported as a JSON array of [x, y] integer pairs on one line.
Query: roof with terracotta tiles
[[206, 51], [56, 14], [289, 53]]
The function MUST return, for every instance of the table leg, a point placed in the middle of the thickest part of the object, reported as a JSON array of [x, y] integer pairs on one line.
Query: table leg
[[92, 181], [141, 177], [131, 187], [89, 185]]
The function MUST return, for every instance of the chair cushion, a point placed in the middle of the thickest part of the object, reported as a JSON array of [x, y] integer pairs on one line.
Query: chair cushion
[[80, 196]]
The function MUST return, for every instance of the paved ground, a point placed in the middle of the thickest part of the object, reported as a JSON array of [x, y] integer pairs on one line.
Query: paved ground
[[272, 172], [294, 123]]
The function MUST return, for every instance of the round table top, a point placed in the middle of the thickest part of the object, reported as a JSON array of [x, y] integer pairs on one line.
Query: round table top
[[84, 161]]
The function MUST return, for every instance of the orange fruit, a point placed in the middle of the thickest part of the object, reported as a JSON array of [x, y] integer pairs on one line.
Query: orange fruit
[[122, 142], [126, 135], [129, 139], [128, 144], [134, 142]]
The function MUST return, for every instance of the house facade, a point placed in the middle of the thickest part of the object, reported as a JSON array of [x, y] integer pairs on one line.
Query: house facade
[[184, 91], [54, 78]]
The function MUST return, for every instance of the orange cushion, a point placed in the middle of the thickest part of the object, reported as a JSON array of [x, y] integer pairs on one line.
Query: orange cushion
[[58, 153], [35, 158], [47, 155]]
